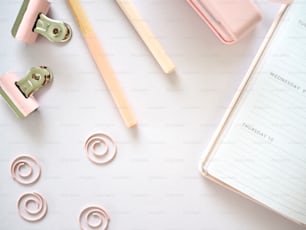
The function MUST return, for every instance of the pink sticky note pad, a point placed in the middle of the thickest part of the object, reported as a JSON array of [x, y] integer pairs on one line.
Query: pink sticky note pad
[[230, 20], [21, 105]]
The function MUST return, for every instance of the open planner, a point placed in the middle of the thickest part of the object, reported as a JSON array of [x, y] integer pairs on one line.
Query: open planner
[[259, 149]]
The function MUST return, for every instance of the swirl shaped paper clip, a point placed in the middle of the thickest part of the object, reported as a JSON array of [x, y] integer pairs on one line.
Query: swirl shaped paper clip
[[94, 217], [25, 169], [100, 148], [32, 206]]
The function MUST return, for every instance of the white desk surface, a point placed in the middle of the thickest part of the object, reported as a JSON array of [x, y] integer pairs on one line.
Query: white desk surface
[[154, 182]]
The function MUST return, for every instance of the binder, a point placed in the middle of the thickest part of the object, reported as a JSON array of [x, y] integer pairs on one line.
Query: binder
[[249, 153]]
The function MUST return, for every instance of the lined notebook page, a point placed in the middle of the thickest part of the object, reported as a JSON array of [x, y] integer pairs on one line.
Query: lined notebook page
[[262, 151]]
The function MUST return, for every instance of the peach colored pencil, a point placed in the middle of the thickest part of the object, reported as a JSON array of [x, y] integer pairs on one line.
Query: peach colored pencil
[[102, 63], [146, 35]]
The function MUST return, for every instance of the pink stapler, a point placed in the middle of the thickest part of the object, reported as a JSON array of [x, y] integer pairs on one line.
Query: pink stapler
[[19, 93], [32, 20], [230, 20]]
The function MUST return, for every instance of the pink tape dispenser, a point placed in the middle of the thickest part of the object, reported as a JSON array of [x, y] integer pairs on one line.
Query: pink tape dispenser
[[230, 20], [19, 93]]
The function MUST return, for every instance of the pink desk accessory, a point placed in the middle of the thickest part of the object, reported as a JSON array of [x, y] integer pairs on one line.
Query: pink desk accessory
[[97, 213], [19, 93], [32, 206], [25, 169], [230, 20], [32, 20]]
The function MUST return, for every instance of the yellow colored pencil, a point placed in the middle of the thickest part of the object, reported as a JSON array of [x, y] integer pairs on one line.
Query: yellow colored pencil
[[102, 63], [146, 35]]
